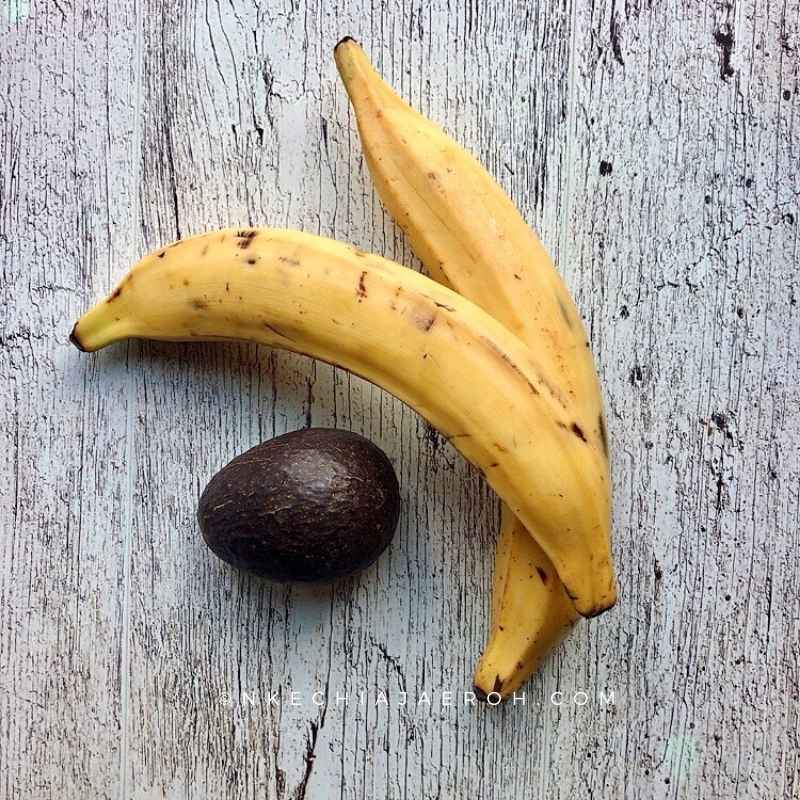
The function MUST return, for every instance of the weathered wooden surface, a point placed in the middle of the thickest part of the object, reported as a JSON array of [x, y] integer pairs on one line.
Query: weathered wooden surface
[[655, 146]]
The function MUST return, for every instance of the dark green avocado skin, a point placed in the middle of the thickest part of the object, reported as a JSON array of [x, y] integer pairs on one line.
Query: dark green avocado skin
[[311, 505]]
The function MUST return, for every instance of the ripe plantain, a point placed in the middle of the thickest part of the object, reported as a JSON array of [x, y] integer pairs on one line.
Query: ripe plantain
[[457, 366], [469, 235], [531, 612]]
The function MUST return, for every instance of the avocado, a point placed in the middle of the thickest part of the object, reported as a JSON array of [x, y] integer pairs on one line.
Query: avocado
[[311, 505]]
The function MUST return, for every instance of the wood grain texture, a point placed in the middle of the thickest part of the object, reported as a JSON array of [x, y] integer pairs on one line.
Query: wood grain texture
[[655, 148]]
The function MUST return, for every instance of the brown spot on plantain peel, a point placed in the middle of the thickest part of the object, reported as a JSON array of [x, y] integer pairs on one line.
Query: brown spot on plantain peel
[[578, 431], [361, 289], [542, 574], [425, 321], [564, 312], [603, 434], [245, 238]]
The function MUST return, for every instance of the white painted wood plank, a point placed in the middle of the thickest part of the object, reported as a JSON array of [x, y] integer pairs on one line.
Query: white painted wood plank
[[68, 182], [685, 261]]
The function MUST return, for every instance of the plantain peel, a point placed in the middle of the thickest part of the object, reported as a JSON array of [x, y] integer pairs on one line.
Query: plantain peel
[[458, 367], [469, 235]]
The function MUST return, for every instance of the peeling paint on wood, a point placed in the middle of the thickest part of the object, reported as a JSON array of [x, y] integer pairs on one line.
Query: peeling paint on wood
[[654, 146]]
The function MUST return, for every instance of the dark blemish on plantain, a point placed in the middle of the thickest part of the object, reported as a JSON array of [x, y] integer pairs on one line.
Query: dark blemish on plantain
[[444, 306], [185, 282], [564, 313], [432, 176], [277, 331], [425, 323], [245, 238], [504, 357], [162, 254], [603, 434], [115, 294], [576, 429], [500, 447], [458, 436], [292, 262], [518, 277], [198, 305], [361, 290], [553, 390], [205, 251], [542, 574], [396, 295], [494, 464], [252, 261]]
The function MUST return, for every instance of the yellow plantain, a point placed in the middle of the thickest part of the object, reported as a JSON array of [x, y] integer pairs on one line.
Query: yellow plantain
[[469, 235], [457, 366], [531, 611]]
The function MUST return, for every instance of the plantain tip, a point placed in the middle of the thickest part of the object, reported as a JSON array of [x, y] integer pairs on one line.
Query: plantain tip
[[598, 609], [497, 689], [73, 337], [343, 41]]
